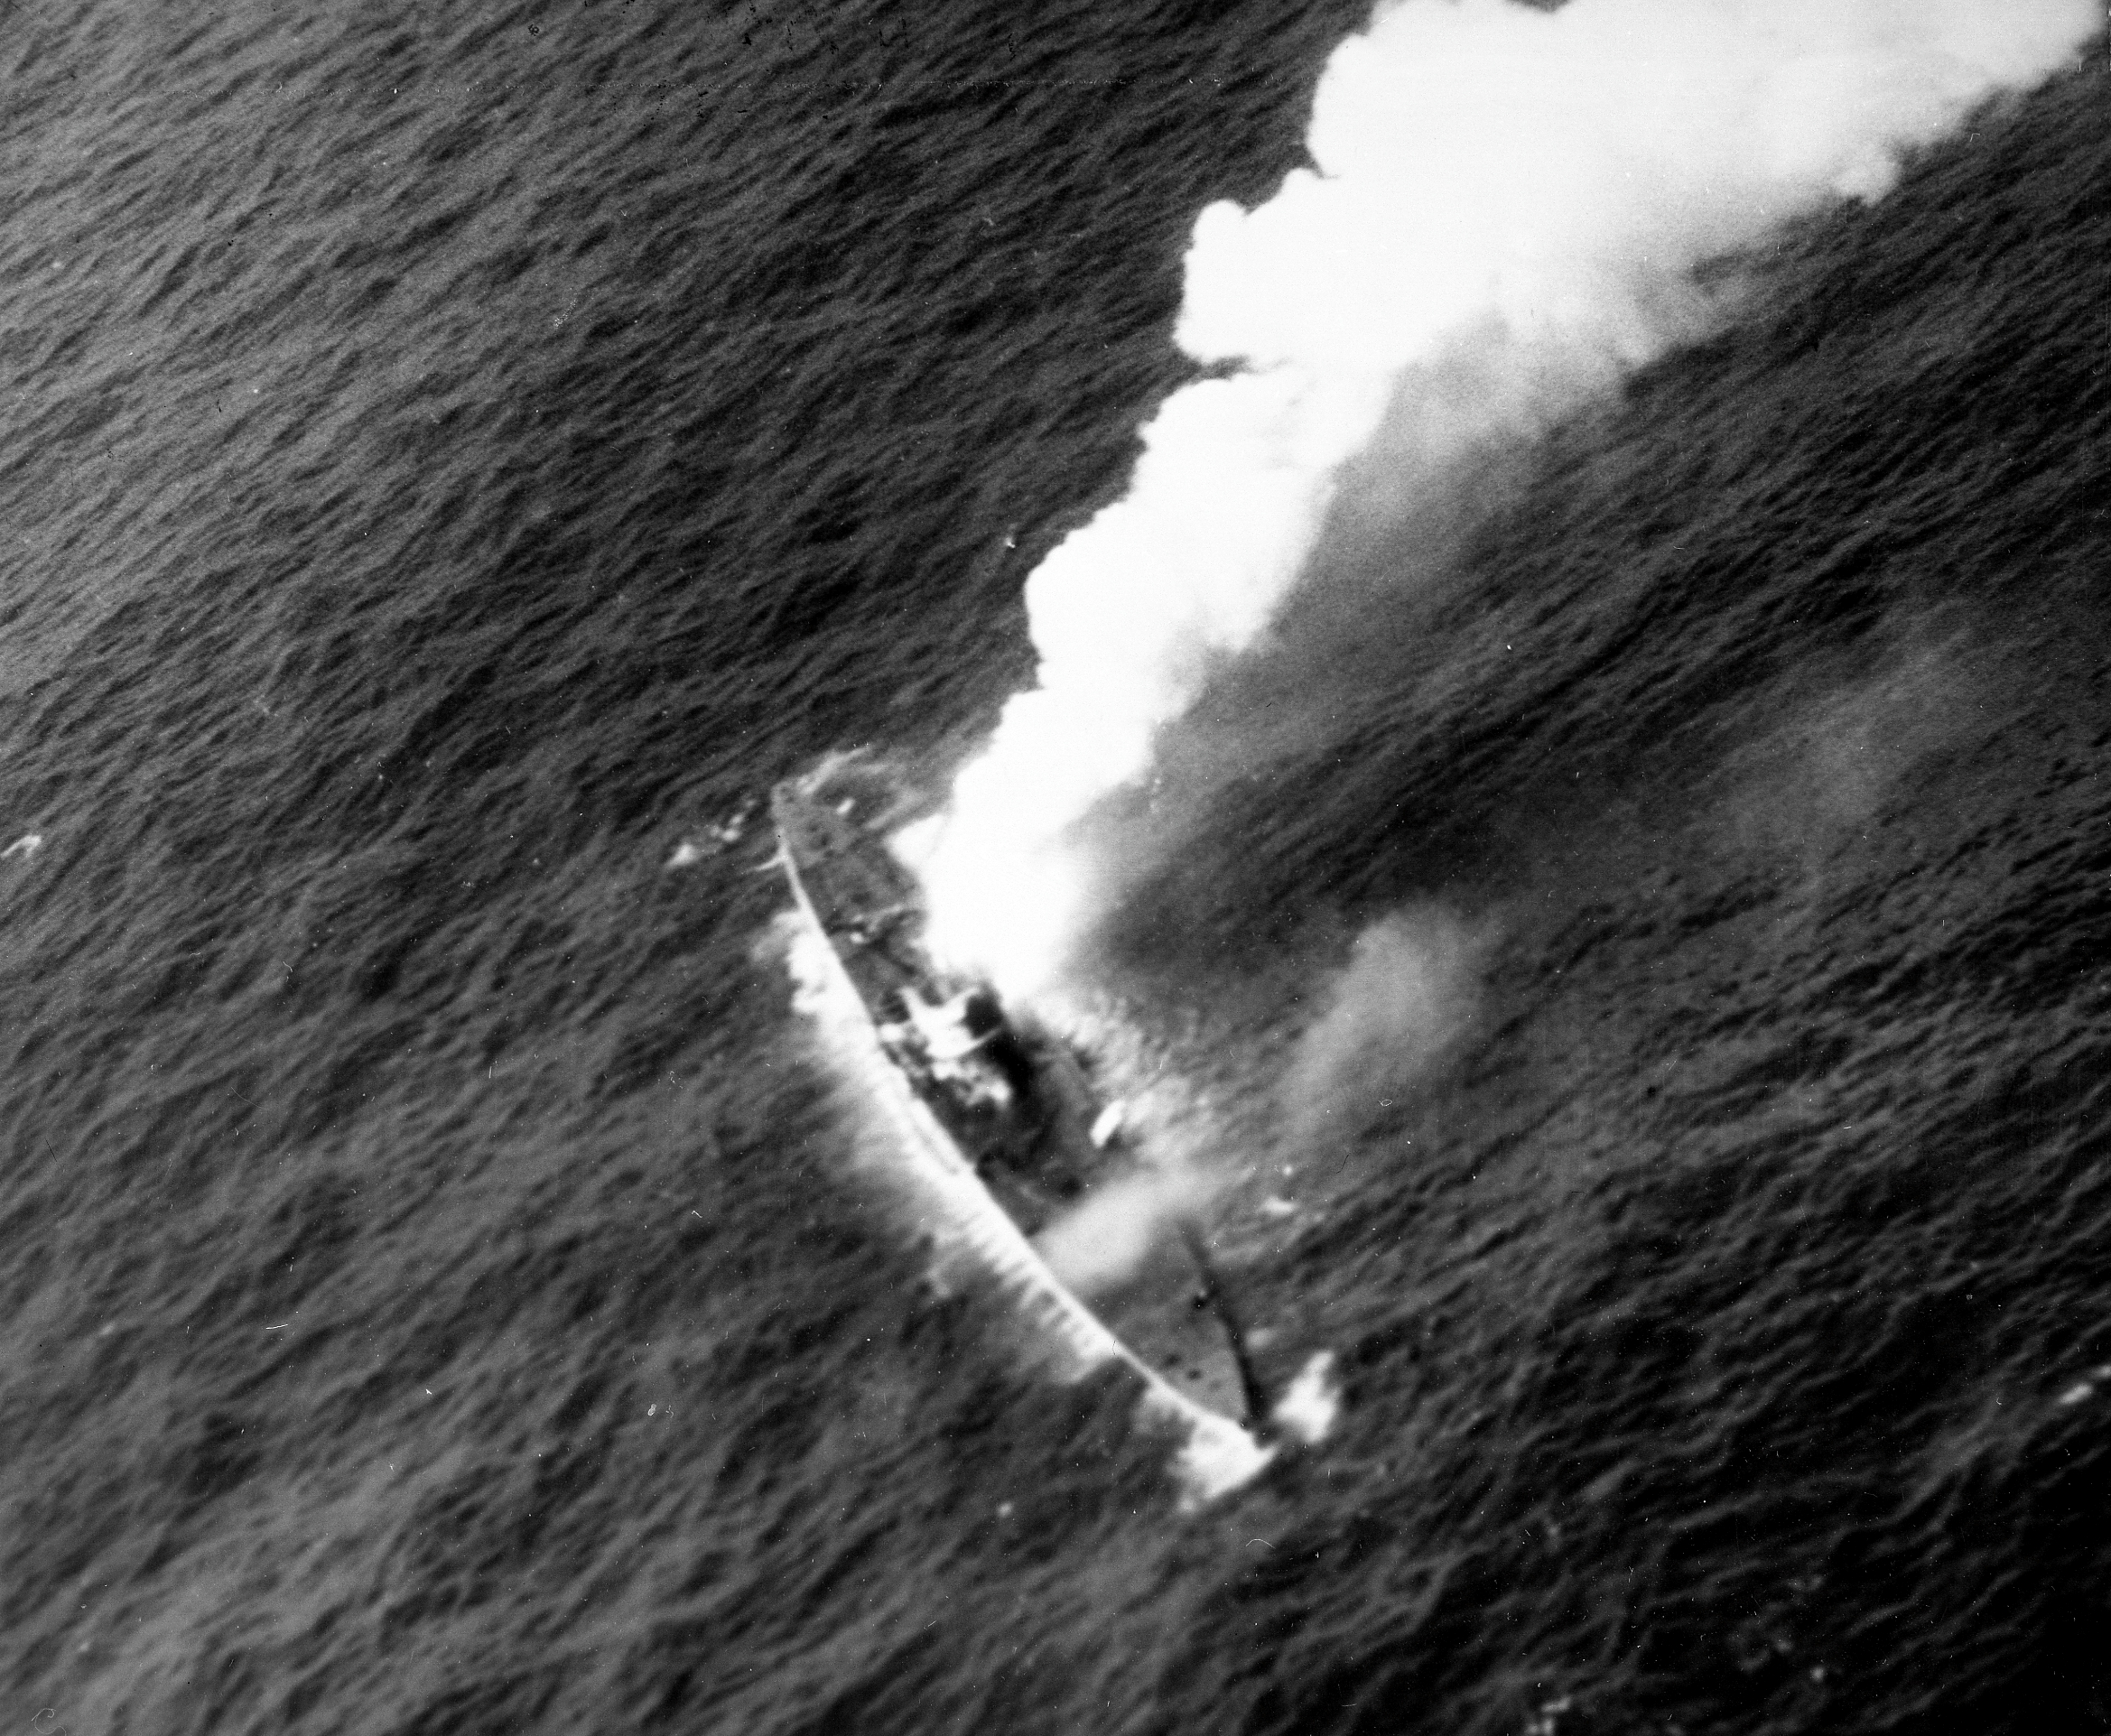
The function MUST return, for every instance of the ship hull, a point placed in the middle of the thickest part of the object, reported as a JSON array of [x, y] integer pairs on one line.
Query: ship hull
[[863, 925]]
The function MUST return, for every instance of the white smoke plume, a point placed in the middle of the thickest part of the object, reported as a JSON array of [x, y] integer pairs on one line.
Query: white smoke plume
[[1408, 991], [1105, 1239], [1520, 192]]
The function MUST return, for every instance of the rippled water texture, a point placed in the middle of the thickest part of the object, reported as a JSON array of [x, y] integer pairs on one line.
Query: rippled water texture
[[452, 458]]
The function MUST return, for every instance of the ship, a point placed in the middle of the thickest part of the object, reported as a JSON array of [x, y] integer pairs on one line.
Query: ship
[[999, 1116]]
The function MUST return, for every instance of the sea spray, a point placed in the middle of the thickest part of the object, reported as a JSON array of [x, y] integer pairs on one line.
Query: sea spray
[[1311, 1403], [1499, 192]]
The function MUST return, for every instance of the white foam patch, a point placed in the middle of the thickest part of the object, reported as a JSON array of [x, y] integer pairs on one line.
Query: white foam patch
[[1217, 1458], [1311, 1404]]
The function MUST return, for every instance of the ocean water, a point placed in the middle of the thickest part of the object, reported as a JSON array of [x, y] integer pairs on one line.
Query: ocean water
[[453, 456]]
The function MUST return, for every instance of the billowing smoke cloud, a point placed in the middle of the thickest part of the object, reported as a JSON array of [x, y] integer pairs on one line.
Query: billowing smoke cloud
[[1105, 1238], [1835, 757], [1407, 993], [1503, 194], [1111, 1235]]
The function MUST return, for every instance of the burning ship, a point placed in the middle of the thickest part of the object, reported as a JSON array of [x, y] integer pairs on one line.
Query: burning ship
[[999, 1116]]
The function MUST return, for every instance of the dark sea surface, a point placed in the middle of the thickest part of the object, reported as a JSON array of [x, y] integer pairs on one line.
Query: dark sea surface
[[453, 454]]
